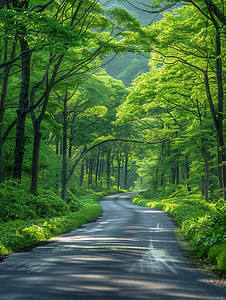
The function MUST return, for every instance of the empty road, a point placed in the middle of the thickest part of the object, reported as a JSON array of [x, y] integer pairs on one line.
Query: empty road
[[130, 252]]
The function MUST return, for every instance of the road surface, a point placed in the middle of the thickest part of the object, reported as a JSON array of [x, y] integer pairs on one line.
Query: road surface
[[130, 252]]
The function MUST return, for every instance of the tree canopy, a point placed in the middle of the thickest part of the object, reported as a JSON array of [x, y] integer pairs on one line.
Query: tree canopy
[[59, 104]]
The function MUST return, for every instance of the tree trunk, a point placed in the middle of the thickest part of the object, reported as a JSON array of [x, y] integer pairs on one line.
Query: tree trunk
[[82, 172], [90, 171], [35, 158], [87, 166], [219, 117], [97, 168], [61, 148], [70, 148], [220, 131], [162, 180], [177, 174], [6, 72], [2, 175], [177, 168], [101, 169], [173, 175], [2, 109], [101, 174], [187, 170], [108, 168], [207, 174], [119, 174], [126, 168], [37, 142], [22, 110], [203, 185], [64, 181]]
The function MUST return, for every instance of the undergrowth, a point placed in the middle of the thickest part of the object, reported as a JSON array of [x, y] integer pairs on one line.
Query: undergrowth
[[202, 223], [26, 219]]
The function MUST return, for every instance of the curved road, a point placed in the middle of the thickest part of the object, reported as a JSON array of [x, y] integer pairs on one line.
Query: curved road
[[130, 252]]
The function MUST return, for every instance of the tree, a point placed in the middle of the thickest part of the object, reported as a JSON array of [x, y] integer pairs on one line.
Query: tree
[[170, 101], [199, 53], [211, 13], [69, 33]]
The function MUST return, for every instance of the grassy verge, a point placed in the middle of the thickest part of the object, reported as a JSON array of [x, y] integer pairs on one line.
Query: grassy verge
[[26, 219], [19, 234], [202, 223]]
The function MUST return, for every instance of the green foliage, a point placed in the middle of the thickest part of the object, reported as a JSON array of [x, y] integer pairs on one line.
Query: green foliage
[[17, 204], [27, 220], [73, 202], [221, 259], [203, 224], [217, 255], [170, 103], [17, 234]]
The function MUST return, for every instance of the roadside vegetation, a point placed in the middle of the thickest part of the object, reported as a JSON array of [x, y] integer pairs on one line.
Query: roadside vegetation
[[203, 224], [26, 219]]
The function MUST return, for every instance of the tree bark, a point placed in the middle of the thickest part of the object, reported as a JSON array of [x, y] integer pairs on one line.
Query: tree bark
[[108, 163], [2, 108], [207, 174], [97, 168], [119, 173], [90, 171], [64, 181], [203, 185], [218, 123], [35, 157], [70, 148], [22, 110], [82, 172], [173, 175], [126, 169], [218, 119], [187, 171]]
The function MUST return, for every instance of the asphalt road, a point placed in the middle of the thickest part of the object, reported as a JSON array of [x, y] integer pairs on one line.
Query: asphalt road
[[129, 253]]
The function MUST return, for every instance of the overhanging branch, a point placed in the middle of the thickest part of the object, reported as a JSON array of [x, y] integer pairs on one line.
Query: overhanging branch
[[104, 142]]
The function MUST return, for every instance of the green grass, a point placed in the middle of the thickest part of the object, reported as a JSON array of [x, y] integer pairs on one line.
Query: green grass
[[202, 223]]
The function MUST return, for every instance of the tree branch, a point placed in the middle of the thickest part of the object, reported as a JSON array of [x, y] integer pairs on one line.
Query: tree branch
[[101, 143], [42, 7]]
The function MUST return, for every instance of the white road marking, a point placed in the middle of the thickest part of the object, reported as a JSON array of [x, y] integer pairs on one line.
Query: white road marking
[[156, 260]]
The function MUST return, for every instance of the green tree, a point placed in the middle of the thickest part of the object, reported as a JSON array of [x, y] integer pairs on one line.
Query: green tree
[[192, 47], [57, 34]]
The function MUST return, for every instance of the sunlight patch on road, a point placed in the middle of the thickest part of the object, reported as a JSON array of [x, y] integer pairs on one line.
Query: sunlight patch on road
[[155, 260]]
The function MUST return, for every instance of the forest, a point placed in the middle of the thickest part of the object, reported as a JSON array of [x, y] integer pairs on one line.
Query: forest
[[99, 97]]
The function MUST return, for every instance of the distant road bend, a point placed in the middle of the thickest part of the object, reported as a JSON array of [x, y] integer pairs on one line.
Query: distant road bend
[[130, 252]]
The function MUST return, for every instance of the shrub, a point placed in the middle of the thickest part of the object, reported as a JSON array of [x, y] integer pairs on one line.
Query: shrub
[[221, 259], [19, 234], [17, 204], [27, 219], [214, 252]]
